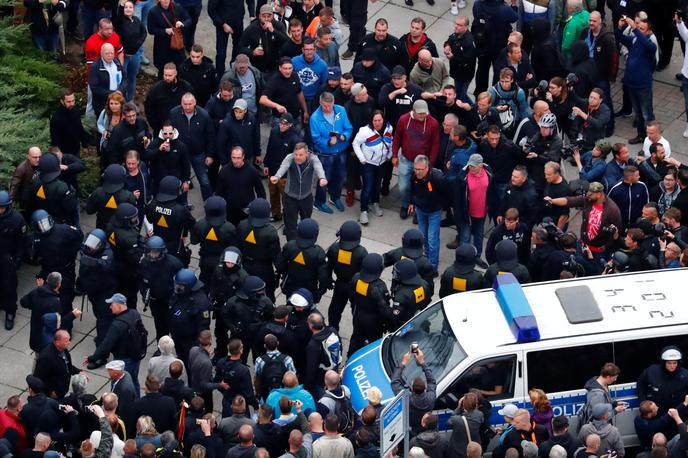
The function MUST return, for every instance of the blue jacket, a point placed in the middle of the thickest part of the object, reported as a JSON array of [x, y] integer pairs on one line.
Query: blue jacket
[[592, 170], [630, 198], [312, 75], [641, 59], [296, 393], [459, 158], [613, 173], [321, 128]]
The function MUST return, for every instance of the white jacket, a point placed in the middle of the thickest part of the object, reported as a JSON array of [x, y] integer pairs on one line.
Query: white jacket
[[372, 147]]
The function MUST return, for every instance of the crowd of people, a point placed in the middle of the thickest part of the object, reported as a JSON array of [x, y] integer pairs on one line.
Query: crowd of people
[[491, 160]]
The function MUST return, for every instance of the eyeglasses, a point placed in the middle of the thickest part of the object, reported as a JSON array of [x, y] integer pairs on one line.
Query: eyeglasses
[[168, 133]]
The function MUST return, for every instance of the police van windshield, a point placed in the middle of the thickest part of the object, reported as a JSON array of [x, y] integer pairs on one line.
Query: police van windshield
[[431, 330]]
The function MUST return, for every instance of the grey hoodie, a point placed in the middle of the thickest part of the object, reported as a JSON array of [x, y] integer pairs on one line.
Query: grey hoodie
[[609, 434], [300, 179]]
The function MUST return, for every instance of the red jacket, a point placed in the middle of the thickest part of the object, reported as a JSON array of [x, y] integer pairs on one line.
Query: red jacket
[[415, 137], [8, 420]]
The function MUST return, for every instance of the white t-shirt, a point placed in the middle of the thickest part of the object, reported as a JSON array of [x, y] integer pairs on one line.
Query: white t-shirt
[[647, 143]]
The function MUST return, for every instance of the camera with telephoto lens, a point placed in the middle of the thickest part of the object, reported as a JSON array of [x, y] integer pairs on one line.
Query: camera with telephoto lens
[[573, 266], [567, 151], [553, 231], [571, 80], [541, 89], [659, 229], [481, 128]]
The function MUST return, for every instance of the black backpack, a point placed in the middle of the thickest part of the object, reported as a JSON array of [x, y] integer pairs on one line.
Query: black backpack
[[344, 411], [137, 334], [481, 30], [272, 373]]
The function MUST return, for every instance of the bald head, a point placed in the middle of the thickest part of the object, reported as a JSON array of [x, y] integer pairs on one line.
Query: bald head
[[62, 340], [424, 58], [246, 434], [539, 108], [42, 441], [592, 442], [289, 379], [331, 379], [295, 439], [107, 53], [315, 422]]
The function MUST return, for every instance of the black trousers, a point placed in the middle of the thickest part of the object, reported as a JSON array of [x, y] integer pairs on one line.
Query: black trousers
[[340, 297], [292, 210], [353, 172], [159, 309], [482, 74], [367, 329], [358, 16], [266, 273], [102, 312], [127, 284], [221, 337], [8, 285]]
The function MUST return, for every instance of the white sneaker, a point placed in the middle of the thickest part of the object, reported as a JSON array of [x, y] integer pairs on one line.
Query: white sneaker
[[685, 132], [376, 209], [363, 219], [454, 9], [462, 4]]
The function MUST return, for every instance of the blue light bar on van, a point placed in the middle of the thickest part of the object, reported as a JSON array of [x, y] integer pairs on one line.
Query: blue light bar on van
[[516, 308]]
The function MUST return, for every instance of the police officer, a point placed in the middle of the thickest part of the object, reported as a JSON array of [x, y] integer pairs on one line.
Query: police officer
[[461, 276], [410, 293], [666, 382], [369, 303], [412, 248], [302, 263], [302, 306], [53, 195], [97, 279], [189, 312], [127, 246], [246, 312], [156, 282], [226, 280], [170, 219], [259, 244], [344, 258], [57, 245], [214, 233], [506, 252], [14, 241], [106, 198]]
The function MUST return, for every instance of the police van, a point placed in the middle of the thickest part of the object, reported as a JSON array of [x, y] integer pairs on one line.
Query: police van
[[554, 336]]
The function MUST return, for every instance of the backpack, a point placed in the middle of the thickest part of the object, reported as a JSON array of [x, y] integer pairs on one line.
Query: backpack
[[482, 37], [137, 335], [272, 373], [332, 347], [344, 411], [585, 412], [507, 118]]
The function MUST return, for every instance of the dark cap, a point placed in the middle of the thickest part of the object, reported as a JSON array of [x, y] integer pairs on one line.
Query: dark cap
[[368, 54], [48, 167], [280, 312], [287, 117], [113, 178], [216, 210], [252, 284], [398, 71], [412, 242], [259, 212], [307, 233], [34, 383], [371, 267], [506, 253], [406, 272], [334, 73], [169, 189], [464, 260], [349, 235]]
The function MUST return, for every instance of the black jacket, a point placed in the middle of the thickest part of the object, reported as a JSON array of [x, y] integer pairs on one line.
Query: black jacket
[[239, 186], [177, 390], [159, 407], [41, 301], [124, 137], [408, 61], [40, 413], [132, 32], [117, 339], [40, 25], [584, 67], [270, 41], [388, 51], [426, 194], [373, 77], [433, 443], [666, 389], [197, 133], [520, 71], [315, 358], [605, 54], [201, 77], [233, 132], [99, 82], [161, 98], [524, 199], [546, 54], [520, 236], [217, 108], [462, 63], [97, 272], [55, 370], [67, 132], [279, 145], [566, 440], [229, 12], [238, 377], [174, 162], [157, 277]]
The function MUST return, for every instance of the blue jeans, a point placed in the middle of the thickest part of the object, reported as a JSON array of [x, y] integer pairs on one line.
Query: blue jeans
[[475, 228], [641, 100], [46, 43], [142, 9], [684, 89], [372, 180], [607, 100], [335, 169], [462, 91], [429, 225], [201, 171], [405, 170], [132, 64], [91, 18], [132, 366]]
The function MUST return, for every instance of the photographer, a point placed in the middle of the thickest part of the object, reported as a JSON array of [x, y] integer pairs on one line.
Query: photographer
[[561, 104], [480, 114], [544, 146], [601, 218], [617, 264], [638, 258], [422, 392], [592, 165], [566, 258], [674, 232], [592, 121]]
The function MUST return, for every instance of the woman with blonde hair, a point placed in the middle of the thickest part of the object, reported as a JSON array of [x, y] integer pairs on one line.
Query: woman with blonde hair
[[542, 412], [146, 432], [108, 118]]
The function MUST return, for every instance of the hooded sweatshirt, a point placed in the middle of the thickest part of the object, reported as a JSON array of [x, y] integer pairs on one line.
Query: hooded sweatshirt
[[610, 437], [416, 137]]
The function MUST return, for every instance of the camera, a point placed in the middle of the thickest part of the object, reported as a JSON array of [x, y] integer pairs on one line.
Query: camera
[[552, 229], [414, 347], [571, 80], [481, 128], [567, 151], [659, 229], [441, 98], [199, 421], [541, 89], [334, 134]]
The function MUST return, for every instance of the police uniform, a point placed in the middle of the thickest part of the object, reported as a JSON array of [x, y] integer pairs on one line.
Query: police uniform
[[344, 258], [224, 284], [461, 276], [506, 252], [127, 247], [14, 241], [301, 302], [246, 312], [666, 389], [410, 293], [302, 263], [156, 284], [259, 244], [171, 219], [105, 199], [412, 248], [369, 303], [52, 194], [214, 233], [189, 313], [57, 248], [97, 279]]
